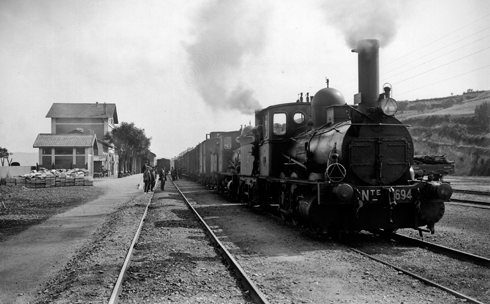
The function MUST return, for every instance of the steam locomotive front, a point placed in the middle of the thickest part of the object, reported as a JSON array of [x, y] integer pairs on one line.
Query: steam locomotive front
[[370, 146], [377, 147], [367, 163]]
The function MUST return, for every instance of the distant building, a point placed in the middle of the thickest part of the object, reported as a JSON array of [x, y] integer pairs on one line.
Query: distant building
[[77, 138]]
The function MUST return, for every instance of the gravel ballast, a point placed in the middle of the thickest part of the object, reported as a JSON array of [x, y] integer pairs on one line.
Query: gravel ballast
[[174, 262]]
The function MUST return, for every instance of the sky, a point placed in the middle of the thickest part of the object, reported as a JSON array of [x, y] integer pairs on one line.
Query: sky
[[182, 69]]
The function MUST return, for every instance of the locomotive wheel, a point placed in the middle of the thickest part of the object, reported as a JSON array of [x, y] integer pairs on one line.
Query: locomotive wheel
[[283, 204], [335, 233], [296, 196], [250, 196], [241, 193]]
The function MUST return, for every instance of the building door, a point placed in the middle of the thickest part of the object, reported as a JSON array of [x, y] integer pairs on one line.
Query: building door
[[97, 166]]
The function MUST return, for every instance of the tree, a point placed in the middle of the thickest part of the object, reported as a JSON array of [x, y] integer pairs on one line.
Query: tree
[[402, 106], [4, 155], [420, 107], [482, 116], [447, 103], [131, 145]]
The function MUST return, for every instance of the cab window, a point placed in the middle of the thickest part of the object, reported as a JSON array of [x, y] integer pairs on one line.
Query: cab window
[[279, 123], [299, 117]]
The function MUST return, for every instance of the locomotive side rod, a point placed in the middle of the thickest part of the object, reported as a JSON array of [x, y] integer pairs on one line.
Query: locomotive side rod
[[255, 293]]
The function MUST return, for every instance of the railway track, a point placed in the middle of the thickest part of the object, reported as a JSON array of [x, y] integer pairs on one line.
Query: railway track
[[247, 283], [420, 278], [483, 193], [470, 202], [252, 290], [120, 279], [438, 249], [291, 279], [451, 252]]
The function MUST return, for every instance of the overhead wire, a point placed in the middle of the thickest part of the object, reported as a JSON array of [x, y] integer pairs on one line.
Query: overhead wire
[[442, 65], [434, 41], [446, 79], [425, 62], [438, 50]]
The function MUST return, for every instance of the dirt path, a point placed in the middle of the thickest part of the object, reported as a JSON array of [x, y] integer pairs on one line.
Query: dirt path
[[32, 257]]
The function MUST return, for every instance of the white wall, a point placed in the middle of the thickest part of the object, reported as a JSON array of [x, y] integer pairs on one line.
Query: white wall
[[14, 171]]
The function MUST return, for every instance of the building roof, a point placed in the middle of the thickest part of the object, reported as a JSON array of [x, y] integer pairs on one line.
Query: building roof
[[83, 110], [64, 140]]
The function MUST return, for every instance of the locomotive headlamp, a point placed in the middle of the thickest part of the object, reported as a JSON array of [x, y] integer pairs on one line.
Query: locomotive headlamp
[[441, 190], [388, 106], [343, 192], [444, 191]]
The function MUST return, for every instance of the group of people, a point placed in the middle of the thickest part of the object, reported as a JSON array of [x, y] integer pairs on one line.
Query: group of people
[[150, 178]]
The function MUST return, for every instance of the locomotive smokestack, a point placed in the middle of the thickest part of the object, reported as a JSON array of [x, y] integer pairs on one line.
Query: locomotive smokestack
[[368, 61]]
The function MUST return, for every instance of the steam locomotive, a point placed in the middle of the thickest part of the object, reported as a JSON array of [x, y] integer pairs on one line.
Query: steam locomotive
[[333, 166]]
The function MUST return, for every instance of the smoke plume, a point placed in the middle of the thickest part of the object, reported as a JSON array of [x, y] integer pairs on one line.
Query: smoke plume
[[226, 33], [365, 19]]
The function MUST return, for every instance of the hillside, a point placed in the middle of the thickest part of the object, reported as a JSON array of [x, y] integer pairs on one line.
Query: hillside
[[460, 108], [449, 126]]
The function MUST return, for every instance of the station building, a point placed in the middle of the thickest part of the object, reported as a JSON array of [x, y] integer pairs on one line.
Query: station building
[[77, 138]]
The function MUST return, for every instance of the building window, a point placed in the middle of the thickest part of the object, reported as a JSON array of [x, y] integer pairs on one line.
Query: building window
[[63, 162], [46, 162], [80, 151], [46, 151], [63, 151], [80, 161]]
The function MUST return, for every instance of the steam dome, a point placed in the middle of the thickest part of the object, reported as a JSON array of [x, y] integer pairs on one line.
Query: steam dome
[[324, 98]]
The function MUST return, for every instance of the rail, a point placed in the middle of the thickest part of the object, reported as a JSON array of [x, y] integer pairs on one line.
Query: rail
[[255, 293], [120, 279], [484, 193], [420, 278], [461, 255], [480, 203]]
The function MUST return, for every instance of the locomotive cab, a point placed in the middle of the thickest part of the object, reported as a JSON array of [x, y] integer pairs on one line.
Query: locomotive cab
[[276, 127]]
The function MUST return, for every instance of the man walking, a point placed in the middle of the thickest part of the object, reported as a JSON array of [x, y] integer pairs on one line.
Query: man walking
[[163, 178], [146, 179], [153, 178]]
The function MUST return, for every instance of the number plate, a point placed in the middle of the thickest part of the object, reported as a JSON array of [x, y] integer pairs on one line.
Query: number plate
[[374, 195]]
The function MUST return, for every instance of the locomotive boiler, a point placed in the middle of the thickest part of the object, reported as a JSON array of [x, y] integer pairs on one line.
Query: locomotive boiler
[[339, 167]]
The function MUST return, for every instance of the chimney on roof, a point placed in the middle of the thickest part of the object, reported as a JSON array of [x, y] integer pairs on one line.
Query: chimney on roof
[[96, 103]]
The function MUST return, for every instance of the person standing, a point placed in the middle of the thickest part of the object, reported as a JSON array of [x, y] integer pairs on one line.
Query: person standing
[[163, 178], [173, 173], [146, 179], [152, 178]]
